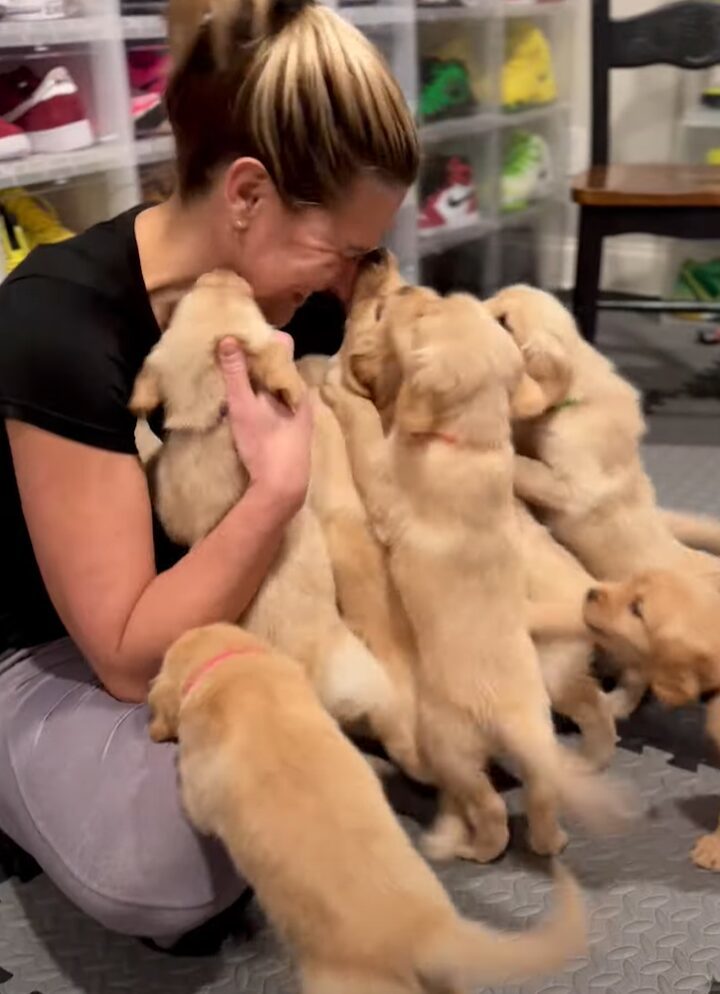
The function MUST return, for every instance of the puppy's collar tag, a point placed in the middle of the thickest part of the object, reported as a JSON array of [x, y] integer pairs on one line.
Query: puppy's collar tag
[[202, 671]]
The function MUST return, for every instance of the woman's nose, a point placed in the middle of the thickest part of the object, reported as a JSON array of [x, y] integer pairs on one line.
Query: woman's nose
[[343, 282]]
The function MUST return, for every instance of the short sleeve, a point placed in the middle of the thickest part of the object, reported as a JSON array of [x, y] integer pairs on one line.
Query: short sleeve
[[62, 363]]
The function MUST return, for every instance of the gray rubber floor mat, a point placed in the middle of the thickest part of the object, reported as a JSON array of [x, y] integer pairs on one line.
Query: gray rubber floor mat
[[655, 917]]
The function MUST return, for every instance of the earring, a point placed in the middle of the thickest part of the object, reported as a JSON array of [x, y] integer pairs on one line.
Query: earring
[[240, 224]]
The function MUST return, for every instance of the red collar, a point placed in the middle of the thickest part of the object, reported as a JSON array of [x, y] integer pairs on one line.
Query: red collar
[[195, 677], [436, 436]]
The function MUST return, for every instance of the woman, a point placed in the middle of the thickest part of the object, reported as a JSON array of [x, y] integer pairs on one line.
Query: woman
[[295, 149]]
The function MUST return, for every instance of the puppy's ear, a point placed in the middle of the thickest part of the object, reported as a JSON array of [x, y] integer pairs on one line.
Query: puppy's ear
[[414, 410], [675, 669], [146, 394], [350, 379], [164, 705], [547, 363], [273, 370], [527, 400]]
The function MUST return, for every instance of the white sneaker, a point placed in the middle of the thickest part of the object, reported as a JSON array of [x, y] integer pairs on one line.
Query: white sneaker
[[34, 10]]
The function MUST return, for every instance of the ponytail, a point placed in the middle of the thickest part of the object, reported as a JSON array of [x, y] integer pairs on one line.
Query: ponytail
[[290, 83]]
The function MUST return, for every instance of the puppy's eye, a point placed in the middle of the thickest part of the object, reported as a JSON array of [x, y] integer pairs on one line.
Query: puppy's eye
[[636, 608]]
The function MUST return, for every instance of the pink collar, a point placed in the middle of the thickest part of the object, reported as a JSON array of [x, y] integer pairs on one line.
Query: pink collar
[[202, 671], [438, 436]]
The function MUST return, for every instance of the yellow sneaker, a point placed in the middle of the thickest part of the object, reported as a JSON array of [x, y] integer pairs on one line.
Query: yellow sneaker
[[528, 75], [36, 217], [13, 241]]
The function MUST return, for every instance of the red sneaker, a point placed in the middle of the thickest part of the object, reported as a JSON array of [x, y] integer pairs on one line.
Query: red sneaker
[[14, 142], [49, 110], [451, 201]]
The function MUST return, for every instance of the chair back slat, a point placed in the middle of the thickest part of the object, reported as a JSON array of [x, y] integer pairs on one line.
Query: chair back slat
[[685, 34]]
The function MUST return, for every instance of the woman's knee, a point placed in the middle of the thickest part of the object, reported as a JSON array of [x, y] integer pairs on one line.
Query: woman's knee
[[161, 900]]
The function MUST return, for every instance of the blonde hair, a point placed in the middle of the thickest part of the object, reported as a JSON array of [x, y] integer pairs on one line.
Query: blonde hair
[[290, 83]]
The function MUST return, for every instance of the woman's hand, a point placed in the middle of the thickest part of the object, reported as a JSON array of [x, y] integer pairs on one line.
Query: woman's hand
[[273, 442]]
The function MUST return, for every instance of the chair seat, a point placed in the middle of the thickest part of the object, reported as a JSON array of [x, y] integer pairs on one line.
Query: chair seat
[[648, 186]]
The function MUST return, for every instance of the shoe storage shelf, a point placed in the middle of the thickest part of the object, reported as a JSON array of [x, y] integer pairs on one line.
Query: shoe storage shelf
[[83, 134]]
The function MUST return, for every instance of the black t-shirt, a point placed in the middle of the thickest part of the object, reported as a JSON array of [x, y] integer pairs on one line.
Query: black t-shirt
[[75, 326]]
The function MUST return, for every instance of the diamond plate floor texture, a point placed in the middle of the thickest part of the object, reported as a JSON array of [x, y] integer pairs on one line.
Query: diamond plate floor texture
[[655, 918]]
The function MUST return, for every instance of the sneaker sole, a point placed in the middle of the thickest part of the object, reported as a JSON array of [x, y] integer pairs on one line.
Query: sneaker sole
[[14, 147], [66, 138]]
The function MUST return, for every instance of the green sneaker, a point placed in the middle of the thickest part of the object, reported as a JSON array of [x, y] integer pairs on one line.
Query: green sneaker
[[697, 282], [526, 171], [446, 90]]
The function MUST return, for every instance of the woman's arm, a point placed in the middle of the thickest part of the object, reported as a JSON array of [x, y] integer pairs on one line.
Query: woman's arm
[[89, 518]]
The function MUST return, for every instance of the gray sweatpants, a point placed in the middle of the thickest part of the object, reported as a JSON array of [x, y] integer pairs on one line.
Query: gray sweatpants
[[85, 791]]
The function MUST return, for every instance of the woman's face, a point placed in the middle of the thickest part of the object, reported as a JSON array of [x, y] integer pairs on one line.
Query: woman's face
[[286, 255]]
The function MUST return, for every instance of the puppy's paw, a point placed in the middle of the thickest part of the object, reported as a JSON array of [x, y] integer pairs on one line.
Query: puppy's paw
[[706, 852], [548, 843], [487, 847], [445, 840]]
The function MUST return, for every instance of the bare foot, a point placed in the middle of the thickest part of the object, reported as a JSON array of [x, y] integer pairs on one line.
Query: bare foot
[[706, 853]]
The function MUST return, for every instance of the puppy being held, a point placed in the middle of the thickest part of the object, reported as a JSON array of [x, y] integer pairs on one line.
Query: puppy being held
[[439, 492], [667, 626], [196, 477], [264, 768]]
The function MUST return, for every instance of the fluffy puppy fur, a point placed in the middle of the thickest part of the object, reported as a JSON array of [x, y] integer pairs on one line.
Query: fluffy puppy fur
[[337, 875], [667, 626], [439, 494], [366, 595], [579, 462], [553, 574], [196, 477], [368, 362]]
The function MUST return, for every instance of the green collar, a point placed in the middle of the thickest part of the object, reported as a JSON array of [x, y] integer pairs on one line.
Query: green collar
[[568, 402]]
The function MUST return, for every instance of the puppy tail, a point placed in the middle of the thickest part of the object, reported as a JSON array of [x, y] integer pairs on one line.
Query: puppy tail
[[468, 953], [603, 804], [699, 531]]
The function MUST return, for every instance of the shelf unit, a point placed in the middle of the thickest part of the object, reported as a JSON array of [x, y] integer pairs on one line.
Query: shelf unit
[[96, 182]]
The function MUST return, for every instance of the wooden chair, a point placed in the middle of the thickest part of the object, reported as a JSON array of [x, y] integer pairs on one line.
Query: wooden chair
[[673, 201]]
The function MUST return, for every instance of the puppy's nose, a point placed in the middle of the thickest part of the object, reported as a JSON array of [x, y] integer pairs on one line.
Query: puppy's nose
[[592, 595]]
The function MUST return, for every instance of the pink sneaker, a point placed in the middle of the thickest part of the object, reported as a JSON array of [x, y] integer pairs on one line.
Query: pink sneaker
[[14, 142], [49, 110]]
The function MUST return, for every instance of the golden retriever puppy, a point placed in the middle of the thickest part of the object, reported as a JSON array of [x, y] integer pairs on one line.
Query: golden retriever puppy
[[368, 361], [579, 463], [264, 768], [366, 595], [196, 477], [553, 574], [439, 492], [667, 626]]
